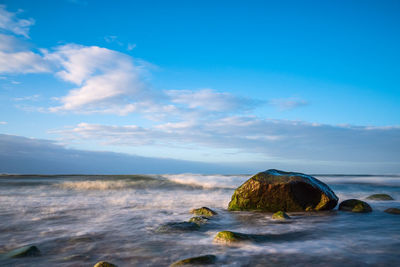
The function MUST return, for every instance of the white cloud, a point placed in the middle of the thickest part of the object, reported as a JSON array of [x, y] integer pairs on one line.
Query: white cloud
[[27, 98], [130, 47], [11, 23], [208, 99], [108, 81], [288, 103], [3, 123], [22, 62]]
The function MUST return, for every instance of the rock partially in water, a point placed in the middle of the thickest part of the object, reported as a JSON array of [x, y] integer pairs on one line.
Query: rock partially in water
[[380, 197], [203, 211], [393, 211], [280, 215], [199, 220], [228, 237], [178, 227], [201, 260], [355, 205], [275, 190], [104, 264], [27, 251]]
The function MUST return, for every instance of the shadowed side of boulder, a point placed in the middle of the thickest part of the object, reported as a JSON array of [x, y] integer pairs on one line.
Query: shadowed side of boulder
[[27, 251], [201, 260], [355, 205], [275, 190]]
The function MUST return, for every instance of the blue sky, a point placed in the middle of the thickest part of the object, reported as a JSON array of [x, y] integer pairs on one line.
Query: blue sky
[[303, 85]]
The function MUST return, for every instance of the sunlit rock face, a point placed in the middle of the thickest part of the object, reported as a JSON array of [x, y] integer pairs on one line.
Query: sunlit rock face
[[275, 190]]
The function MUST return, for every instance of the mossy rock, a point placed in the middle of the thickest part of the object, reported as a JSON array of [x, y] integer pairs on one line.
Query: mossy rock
[[280, 215], [228, 237], [27, 251], [201, 260], [178, 227], [380, 197], [355, 205], [393, 211], [204, 211], [275, 190], [104, 264], [199, 220]]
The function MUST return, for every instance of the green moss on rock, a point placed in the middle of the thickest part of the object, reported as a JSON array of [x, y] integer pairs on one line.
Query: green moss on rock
[[178, 227], [380, 197], [393, 211], [199, 220], [27, 251], [230, 237], [203, 211], [104, 264], [275, 190], [201, 260], [280, 215], [355, 205]]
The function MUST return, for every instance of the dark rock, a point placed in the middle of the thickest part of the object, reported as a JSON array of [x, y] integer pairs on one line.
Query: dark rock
[[355, 205], [178, 227], [233, 238], [280, 215], [393, 211], [27, 251], [275, 190], [380, 197], [204, 211], [199, 220], [201, 260], [104, 264]]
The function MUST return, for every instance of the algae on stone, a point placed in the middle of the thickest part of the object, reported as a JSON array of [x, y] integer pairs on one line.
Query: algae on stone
[[201, 260], [380, 197], [230, 237], [104, 264], [275, 190], [199, 220], [203, 211], [177, 227], [280, 215], [355, 205]]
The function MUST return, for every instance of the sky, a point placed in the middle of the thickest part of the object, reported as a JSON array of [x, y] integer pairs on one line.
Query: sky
[[199, 86]]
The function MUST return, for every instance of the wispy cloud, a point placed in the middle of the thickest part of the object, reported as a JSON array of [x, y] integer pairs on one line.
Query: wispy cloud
[[288, 103], [292, 140], [3, 123], [27, 98], [10, 22]]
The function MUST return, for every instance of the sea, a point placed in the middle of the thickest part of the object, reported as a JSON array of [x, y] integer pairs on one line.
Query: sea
[[78, 220]]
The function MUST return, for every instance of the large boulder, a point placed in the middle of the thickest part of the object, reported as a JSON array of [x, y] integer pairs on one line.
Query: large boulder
[[275, 190]]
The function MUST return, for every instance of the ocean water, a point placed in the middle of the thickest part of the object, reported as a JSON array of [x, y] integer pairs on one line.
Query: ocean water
[[80, 220]]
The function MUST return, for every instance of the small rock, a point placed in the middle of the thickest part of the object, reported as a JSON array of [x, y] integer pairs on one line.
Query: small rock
[[393, 211], [104, 264], [380, 197], [27, 251], [204, 211], [178, 227], [201, 260], [280, 215], [199, 220], [228, 237], [355, 205]]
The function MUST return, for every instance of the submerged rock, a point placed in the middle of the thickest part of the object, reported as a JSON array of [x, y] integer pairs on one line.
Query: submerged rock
[[203, 211], [275, 190], [355, 205], [280, 215], [27, 251], [380, 197], [233, 238], [178, 227], [199, 220], [393, 211], [104, 264], [201, 260]]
